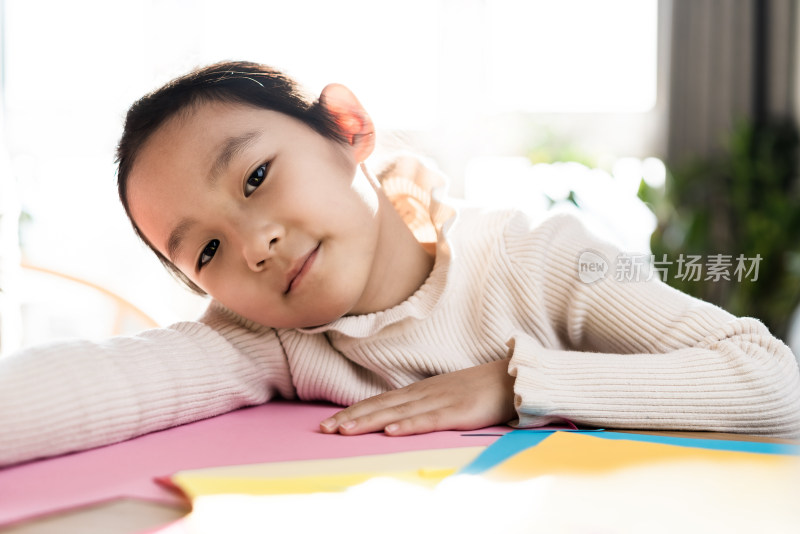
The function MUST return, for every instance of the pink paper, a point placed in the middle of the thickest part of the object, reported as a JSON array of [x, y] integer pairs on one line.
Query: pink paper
[[273, 432]]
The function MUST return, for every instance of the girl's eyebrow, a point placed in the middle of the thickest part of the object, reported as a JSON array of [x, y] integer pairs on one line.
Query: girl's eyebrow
[[176, 238], [230, 149]]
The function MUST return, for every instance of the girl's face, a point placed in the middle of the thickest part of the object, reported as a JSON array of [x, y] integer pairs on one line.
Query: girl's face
[[267, 216]]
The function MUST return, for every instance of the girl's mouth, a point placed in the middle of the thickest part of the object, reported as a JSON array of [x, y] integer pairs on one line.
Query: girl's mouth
[[302, 266]]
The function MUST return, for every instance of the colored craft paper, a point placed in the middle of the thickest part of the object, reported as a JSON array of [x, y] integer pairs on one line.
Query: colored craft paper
[[575, 454], [715, 444], [273, 432], [619, 485], [684, 495], [180, 526], [518, 440], [422, 467], [506, 446]]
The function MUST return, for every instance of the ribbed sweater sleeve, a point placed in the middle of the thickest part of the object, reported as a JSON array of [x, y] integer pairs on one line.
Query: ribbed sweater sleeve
[[639, 354], [73, 395]]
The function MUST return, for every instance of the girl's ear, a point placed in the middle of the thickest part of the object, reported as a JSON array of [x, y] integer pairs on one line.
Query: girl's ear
[[351, 118]]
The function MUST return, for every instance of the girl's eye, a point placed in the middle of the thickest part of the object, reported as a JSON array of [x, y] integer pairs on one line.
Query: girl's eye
[[208, 253], [255, 179]]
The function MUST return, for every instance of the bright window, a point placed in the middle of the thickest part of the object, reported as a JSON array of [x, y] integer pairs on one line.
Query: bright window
[[572, 55], [429, 69]]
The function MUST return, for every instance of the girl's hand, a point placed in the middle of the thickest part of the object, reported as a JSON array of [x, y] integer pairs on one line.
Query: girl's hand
[[472, 398]]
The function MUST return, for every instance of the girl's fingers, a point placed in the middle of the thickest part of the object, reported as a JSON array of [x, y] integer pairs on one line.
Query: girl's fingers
[[446, 417], [378, 420], [419, 424], [385, 401]]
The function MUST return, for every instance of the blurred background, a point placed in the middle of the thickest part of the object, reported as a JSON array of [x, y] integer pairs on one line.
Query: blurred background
[[671, 125]]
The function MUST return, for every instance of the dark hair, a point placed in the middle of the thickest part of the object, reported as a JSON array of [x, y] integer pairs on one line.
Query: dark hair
[[236, 82]]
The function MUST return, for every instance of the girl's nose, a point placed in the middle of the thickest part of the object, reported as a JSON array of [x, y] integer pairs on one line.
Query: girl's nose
[[262, 244]]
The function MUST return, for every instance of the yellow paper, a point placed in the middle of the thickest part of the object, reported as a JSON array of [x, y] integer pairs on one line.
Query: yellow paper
[[566, 453], [424, 467]]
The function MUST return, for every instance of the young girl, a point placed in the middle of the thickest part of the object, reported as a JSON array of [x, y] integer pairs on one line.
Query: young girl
[[328, 285]]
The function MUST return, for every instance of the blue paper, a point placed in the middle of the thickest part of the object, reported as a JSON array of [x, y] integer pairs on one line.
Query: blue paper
[[714, 444], [509, 445], [519, 440]]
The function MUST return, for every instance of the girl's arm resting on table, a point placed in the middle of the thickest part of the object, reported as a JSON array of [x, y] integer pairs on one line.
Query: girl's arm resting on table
[[638, 355], [73, 395], [647, 356], [733, 385]]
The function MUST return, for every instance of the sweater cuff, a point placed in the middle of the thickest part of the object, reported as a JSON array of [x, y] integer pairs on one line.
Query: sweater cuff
[[745, 385], [534, 408]]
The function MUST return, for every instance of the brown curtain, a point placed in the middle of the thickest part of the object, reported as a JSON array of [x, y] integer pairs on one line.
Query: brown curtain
[[730, 60]]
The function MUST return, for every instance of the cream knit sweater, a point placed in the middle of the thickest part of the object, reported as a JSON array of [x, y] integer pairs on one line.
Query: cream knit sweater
[[613, 354]]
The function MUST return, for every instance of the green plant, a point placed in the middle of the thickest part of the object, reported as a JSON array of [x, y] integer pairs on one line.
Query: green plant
[[546, 146], [743, 202]]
